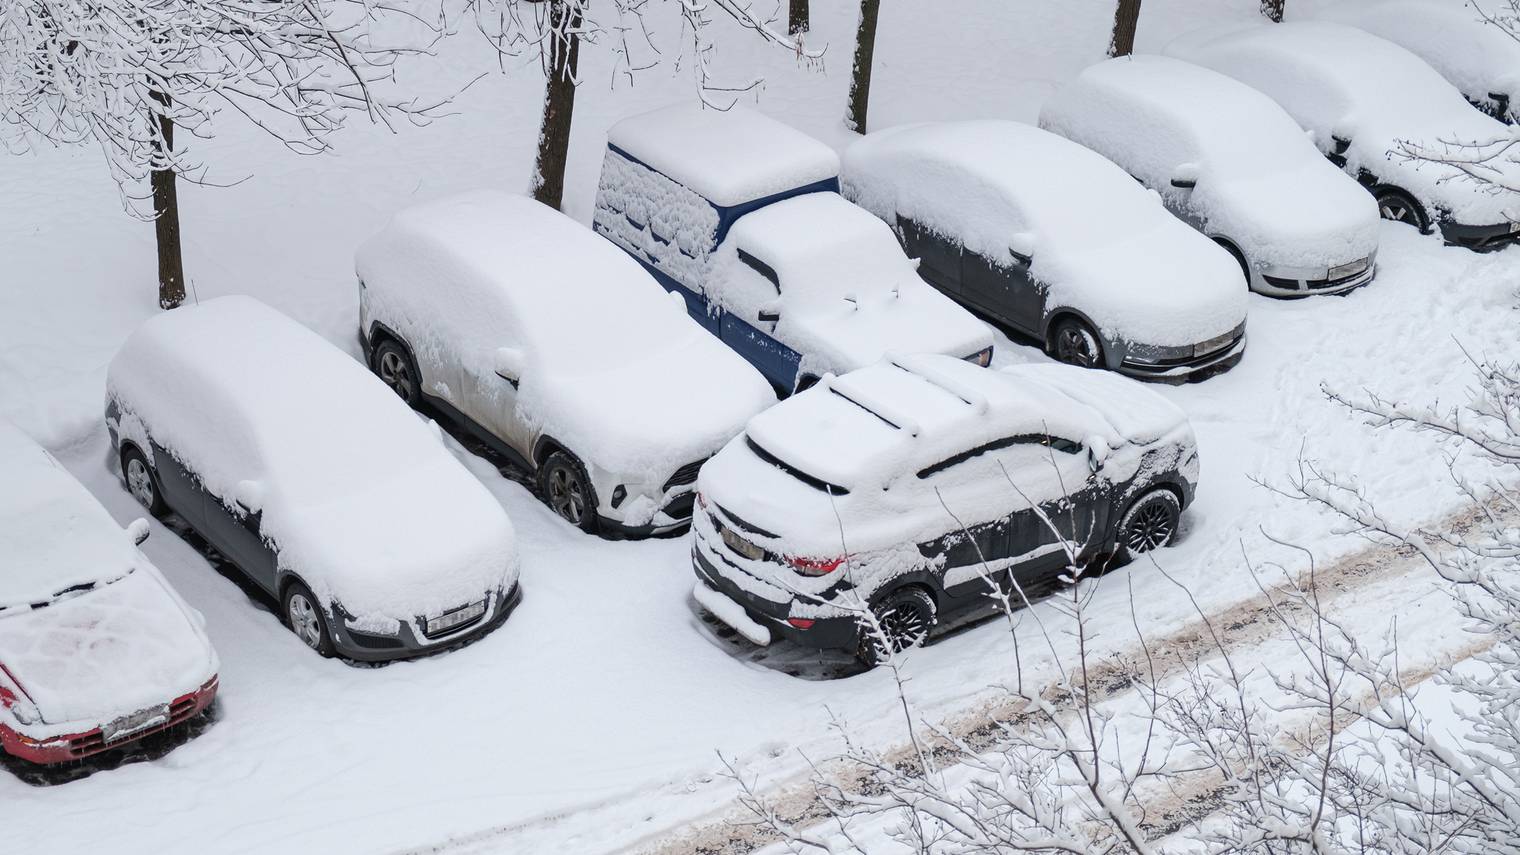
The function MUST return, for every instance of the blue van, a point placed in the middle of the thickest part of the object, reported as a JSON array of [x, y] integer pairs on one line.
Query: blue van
[[741, 215]]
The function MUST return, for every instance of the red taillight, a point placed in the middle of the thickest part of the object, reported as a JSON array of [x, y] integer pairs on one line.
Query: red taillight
[[814, 566], [800, 622], [702, 501]]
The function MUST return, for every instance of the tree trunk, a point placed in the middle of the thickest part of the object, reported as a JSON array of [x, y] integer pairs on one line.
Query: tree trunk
[[171, 263], [1126, 21], [559, 104], [797, 19], [1273, 9], [860, 76]]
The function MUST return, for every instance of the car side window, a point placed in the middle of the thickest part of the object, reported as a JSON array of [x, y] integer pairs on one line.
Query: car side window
[[1036, 444], [765, 270]]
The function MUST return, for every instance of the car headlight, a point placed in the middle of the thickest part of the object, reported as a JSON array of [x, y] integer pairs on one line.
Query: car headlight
[[1160, 353], [982, 357], [25, 712]]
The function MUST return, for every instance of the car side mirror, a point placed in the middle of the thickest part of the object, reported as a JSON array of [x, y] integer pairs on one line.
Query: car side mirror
[[1185, 177], [1097, 452], [509, 364], [1021, 247], [138, 530], [768, 315], [249, 495]]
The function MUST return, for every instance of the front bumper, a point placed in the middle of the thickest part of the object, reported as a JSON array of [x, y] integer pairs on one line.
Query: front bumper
[[1285, 282], [77, 746], [1480, 238], [836, 633], [406, 644], [1182, 371]]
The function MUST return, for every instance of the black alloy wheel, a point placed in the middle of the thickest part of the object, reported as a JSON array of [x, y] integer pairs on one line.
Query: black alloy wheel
[[1074, 343], [567, 490], [903, 621], [1151, 523], [395, 369]]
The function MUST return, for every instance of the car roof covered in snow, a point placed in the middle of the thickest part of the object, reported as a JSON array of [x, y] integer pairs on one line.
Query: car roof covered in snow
[[1479, 58], [55, 534], [1227, 121], [727, 156], [909, 412]]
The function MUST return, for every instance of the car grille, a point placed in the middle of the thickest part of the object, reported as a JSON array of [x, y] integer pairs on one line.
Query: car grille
[[685, 475], [94, 742], [680, 507]]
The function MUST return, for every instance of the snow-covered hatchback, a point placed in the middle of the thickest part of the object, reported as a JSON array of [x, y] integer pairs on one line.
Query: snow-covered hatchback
[[97, 651], [1056, 242], [1361, 97], [1227, 160], [908, 488], [312, 478], [558, 351]]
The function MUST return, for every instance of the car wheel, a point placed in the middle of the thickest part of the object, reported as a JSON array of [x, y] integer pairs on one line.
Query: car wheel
[[303, 614], [1075, 343], [1150, 523], [1396, 205], [141, 482], [905, 619], [566, 489], [393, 365]]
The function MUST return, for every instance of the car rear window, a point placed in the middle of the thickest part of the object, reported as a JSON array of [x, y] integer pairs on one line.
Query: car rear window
[[816, 483]]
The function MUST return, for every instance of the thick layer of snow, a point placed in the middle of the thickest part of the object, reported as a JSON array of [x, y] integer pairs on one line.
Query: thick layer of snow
[[359, 497], [625, 733], [124, 642], [614, 369], [728, 156], [1260, 181], [1102, 244], [1338, 81], [1477, 57], [664, 223], [848, 294], [55, 535]]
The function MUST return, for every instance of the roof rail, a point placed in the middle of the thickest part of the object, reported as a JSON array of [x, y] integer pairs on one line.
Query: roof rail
[[925, 370], [844, 388]]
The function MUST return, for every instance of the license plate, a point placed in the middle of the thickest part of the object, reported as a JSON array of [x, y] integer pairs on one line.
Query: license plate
[[131, 725], [458, 617], [1351, 268], [742, 546]]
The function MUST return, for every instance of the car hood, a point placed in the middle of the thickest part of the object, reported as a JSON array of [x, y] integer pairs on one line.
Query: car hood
[[107, 652], [416, 542], [1310, 217], [1134, 412], [645, 415], [1164, 284], [1460, 198], [842, 336]]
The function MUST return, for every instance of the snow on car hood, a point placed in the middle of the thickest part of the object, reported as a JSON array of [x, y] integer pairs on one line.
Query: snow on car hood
[[646, 413], [850, 335], [1162, 285], [1310, 217], [1133, 412], [408, 542], [106, 652]]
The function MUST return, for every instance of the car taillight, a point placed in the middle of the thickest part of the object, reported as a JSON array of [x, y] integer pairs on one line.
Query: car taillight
[[702, 501], [815, 566], [800, 622]]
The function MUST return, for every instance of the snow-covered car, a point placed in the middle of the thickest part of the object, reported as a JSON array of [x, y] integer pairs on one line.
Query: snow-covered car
[[1228, 161], [1057, 243], [907, 487], [1477, 57], [305, 472], [97, 651], [741, 216], [1360, 97], [558, 351]]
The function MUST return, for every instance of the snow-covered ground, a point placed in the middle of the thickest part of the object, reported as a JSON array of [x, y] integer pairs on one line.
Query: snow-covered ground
[[592, 719]]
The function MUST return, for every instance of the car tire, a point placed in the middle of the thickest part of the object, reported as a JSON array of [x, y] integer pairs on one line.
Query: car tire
[[1150, 523], [302, 613], [142, 482], [1396, 205], [566, 489], [395, 368], [1075, 343], [905, 616]]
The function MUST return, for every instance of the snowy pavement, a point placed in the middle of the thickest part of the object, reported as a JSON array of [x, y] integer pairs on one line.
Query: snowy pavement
[[591, 721]]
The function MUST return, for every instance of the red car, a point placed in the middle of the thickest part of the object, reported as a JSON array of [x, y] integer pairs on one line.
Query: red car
[[97, 651]]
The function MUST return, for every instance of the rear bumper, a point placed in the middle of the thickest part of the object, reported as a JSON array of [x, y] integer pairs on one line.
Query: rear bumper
[[838, 633], [78, 746], [367, 647]]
